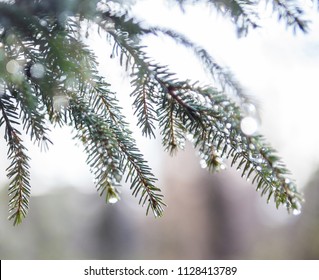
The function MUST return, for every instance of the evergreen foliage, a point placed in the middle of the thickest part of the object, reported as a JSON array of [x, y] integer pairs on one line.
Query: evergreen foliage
[[47, 73]]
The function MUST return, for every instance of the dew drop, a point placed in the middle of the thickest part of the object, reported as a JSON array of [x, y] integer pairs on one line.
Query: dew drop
[[296, 212], [13, 67], [118, 177], [222, 166], [190, 137], [249, 125], [203, 164], [216, 107], [43, 22], [37, 70], [252, 146], [249, 109], [113, 200], [155, 213], [112, 196]]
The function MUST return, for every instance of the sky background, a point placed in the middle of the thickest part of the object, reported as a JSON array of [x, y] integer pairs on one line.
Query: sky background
[[274, 65]]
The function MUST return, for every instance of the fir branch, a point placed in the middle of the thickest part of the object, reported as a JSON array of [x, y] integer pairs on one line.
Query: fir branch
[[139, 174], [128, 158], [241, 12], [99, 143], [251, 153], [222, 76], [172, 131], [143, 104], [40, 32], [31, 113], [122, 21], [206, 122], [291, 13], [18, 171]]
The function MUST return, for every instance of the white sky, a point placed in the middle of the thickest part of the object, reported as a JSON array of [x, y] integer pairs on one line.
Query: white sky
[[280, 69]]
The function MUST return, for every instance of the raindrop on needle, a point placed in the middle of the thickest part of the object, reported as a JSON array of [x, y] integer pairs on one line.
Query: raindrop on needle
[[249, 125]]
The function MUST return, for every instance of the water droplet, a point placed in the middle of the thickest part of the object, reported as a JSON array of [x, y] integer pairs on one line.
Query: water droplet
[[296, 212], [13, 67], [118, 177], [43, 22], [249, 109], [203, 164], [222, 166], [155, 213], [252, 146], [190, 137], [258, 168], [215, 107], [112, 195], [113, 200], [37, 70], [249, 125], [228, 125]]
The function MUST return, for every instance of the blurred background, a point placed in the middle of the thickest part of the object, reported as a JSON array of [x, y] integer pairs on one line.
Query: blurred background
[[209, 216]]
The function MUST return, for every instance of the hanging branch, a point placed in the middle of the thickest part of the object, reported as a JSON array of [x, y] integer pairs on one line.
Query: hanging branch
[[215, 124], [291, 13], [220, 75], [18, 171], [48, 74]]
